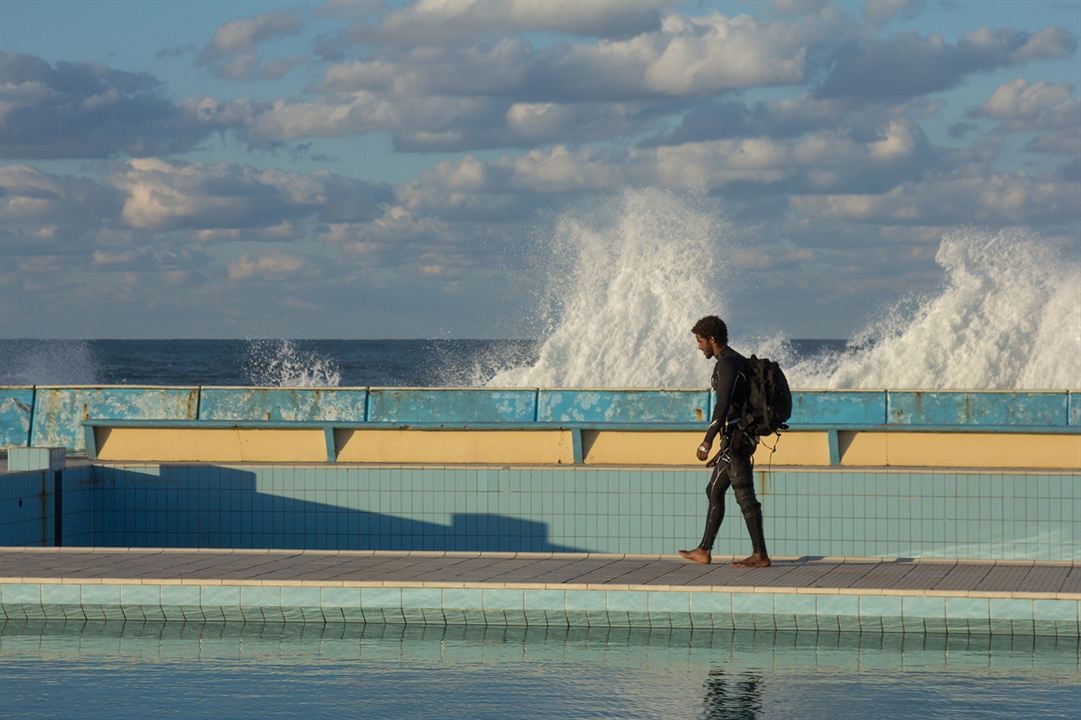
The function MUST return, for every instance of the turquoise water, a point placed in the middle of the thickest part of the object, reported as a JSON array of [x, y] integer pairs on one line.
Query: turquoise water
[[114, 670]]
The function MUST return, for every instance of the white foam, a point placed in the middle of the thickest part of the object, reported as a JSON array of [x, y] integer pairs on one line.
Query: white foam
[[279, 363], [1008, 316], [627, 281]]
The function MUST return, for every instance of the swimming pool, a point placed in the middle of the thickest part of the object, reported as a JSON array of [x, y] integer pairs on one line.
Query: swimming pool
[[235, 670]]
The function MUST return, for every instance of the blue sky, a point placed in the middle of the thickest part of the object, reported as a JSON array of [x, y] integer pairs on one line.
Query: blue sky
[[370, 169]]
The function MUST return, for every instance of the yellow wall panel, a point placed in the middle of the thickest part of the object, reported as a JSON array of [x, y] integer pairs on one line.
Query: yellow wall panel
[[794, 448], [898, 449], [211, 445], [614, 447], [643, 447], [520, 447]]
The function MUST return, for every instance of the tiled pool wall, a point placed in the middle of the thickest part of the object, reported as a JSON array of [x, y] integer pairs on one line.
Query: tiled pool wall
[[28, 511], [828, 512]]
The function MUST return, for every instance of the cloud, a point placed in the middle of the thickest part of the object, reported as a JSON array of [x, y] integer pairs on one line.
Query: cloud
[[87, 110], [435, 22], [162, 195], [229, 54], [992, 199], [908, 65], [273, 265], [687, 56], [790, 117], [28, 195], [1041, 107], [241, 36]]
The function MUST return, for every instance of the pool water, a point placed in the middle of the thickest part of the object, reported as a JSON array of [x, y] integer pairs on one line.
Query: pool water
[[176, 670]]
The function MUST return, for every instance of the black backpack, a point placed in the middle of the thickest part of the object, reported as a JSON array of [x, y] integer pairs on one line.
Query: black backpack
[[769, 401]]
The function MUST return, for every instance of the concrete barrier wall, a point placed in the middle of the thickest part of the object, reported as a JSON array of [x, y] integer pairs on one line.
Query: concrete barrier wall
[[52, 415]]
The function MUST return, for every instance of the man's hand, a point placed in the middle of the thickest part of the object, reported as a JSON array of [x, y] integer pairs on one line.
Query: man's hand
[[703, 452]]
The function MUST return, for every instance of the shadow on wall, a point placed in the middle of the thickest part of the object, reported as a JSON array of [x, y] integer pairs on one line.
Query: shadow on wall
[[209, 506]]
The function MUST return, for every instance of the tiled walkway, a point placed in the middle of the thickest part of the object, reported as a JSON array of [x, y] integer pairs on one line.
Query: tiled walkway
[[531, 588], [530, 570]]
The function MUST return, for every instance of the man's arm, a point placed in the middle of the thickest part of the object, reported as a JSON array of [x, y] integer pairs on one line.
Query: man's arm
[[725, 383]]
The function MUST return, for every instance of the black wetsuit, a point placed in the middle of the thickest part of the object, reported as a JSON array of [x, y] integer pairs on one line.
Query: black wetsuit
[[734, 466]]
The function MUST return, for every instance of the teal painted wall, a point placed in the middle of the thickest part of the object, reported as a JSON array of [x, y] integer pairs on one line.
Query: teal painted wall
[[52, 416], [830, 512]]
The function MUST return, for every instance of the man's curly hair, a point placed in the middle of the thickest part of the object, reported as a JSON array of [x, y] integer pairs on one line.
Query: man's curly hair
[[711, 326]]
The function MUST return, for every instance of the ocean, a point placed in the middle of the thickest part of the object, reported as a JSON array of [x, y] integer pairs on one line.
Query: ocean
[[291, 363]]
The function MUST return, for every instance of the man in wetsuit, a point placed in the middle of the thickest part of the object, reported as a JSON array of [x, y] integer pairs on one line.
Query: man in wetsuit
[[733, 465]]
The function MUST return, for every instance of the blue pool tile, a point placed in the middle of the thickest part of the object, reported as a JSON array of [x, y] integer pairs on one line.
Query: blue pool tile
[[179, 595], [149, 595], [503, 600], [212, 596], [417, 598], [752, 603], [595, 600], [260, 596], [1012, 616], [880, 606], [21, 594], [717, 604], [668, 602], [464, 598], [101, 594], [791, 604], [545, 600], [838, 605], [1056, 610], [300, 597], [381, 598], [1009, 609], [60, 595], [341, 598], [923, 607]]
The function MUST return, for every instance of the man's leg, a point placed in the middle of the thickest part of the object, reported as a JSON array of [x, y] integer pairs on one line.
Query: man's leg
[[718, 485], [741, 470]]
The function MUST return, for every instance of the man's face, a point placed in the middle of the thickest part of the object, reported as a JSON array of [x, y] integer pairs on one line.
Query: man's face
[[704, 345]]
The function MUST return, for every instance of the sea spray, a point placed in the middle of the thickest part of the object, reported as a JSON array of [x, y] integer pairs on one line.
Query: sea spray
[[280, 363], [1008, 316], [627, 281], [48, 362]]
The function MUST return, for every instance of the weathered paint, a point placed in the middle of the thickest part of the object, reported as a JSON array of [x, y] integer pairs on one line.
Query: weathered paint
[[58, 411], [623, 406], [423, 405], [16, 409], [838, 407], [295, 404], [1047, 409], [1074, 402]]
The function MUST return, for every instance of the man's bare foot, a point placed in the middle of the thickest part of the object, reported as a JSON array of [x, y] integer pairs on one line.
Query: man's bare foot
[[754, 561], [697, 555]]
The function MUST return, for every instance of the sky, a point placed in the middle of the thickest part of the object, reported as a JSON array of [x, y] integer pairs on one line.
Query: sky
[[392, 170]]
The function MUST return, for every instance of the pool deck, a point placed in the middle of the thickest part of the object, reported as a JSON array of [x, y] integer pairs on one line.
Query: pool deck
[[543, 589]]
